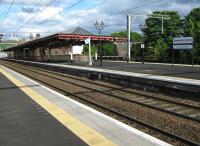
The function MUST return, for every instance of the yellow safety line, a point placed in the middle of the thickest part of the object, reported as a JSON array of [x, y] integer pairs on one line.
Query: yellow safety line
[[84, 132]]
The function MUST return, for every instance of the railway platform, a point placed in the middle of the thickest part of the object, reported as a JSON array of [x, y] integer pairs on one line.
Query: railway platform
[[159, 69], [134, 75], [32, 114]]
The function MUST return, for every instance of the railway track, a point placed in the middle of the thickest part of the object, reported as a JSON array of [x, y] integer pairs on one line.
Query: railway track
[[176, 108], [84, 88]]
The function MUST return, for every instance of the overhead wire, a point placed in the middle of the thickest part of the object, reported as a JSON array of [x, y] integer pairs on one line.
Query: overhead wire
[[139, 6], [37, 3], [146, 4], [96, 5], [35, 9], [37, 6], [5, 17], [128, 10], [71, 6], [29, 20], [52, 2]]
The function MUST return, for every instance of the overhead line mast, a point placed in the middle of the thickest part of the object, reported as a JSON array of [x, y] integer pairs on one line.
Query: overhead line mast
[[162, 17], [130, 18]]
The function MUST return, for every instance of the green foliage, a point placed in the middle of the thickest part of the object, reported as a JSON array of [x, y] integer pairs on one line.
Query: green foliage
[[108, 49], [86, 49], [4, 46], [161, 49], [193, 29], [159, 46], [172, 28], [135, 37], [120, 34]]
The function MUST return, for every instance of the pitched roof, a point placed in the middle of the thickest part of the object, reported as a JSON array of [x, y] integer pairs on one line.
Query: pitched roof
[[78, 31]]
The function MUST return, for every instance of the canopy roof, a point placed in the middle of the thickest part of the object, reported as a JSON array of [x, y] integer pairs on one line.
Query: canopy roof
[[77, 35], [78, 31]]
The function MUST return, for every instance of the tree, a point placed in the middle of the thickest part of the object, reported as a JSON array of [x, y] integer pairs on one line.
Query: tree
[[119, 34], [135, 37], [108, 49], [154, 36], [161, 48], [86, 49], [193, 29], [4, 46]]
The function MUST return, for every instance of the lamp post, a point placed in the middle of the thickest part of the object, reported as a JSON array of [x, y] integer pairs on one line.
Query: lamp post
[[143, 28], [100, 26]]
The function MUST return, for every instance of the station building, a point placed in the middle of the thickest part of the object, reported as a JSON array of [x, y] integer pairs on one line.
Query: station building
[[61, 46]]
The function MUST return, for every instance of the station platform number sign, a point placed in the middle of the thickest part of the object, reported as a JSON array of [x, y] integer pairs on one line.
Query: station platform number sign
[[183, 43]]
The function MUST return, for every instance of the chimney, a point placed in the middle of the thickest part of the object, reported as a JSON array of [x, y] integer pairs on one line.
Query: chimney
[[37, 36], [31, 37]]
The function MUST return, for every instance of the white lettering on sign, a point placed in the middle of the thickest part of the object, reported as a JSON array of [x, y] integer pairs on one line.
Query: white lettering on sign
[[182, 47], [183, 40]]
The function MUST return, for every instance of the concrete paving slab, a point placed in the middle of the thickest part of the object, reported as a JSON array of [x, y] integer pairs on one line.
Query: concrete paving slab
[[23, 124]]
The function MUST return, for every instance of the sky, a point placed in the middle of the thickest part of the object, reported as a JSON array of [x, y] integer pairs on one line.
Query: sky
[[19, 18]]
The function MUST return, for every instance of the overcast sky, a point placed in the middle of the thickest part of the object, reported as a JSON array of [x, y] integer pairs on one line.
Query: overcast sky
[[33, 15]]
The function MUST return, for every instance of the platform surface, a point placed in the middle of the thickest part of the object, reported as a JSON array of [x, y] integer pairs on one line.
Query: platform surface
[[24, 123], [183, 74], [162, 69], [36, 115], [129, 70]]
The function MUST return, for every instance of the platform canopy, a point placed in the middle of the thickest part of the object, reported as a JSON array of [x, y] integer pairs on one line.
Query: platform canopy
[[73, 36]]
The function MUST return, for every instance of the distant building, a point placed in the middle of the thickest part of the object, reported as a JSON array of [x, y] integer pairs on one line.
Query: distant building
[[1, 35], [31, 37], [37, 36], [60, 46]]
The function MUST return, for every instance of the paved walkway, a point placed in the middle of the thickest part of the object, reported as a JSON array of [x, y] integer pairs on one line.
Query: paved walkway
[[25, 123], [182, 71]]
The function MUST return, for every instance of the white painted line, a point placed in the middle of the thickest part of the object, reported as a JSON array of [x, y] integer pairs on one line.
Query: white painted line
[[146, 76], [114, 121], [140, 75], [153, 63]]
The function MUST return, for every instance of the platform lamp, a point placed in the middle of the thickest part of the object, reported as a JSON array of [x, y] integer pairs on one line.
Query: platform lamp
[[143, 28], [100, 26]]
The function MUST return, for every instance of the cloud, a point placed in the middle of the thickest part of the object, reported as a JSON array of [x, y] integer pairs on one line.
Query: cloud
[[19, 2], [26, 9], [26, 2], [85, 14]]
